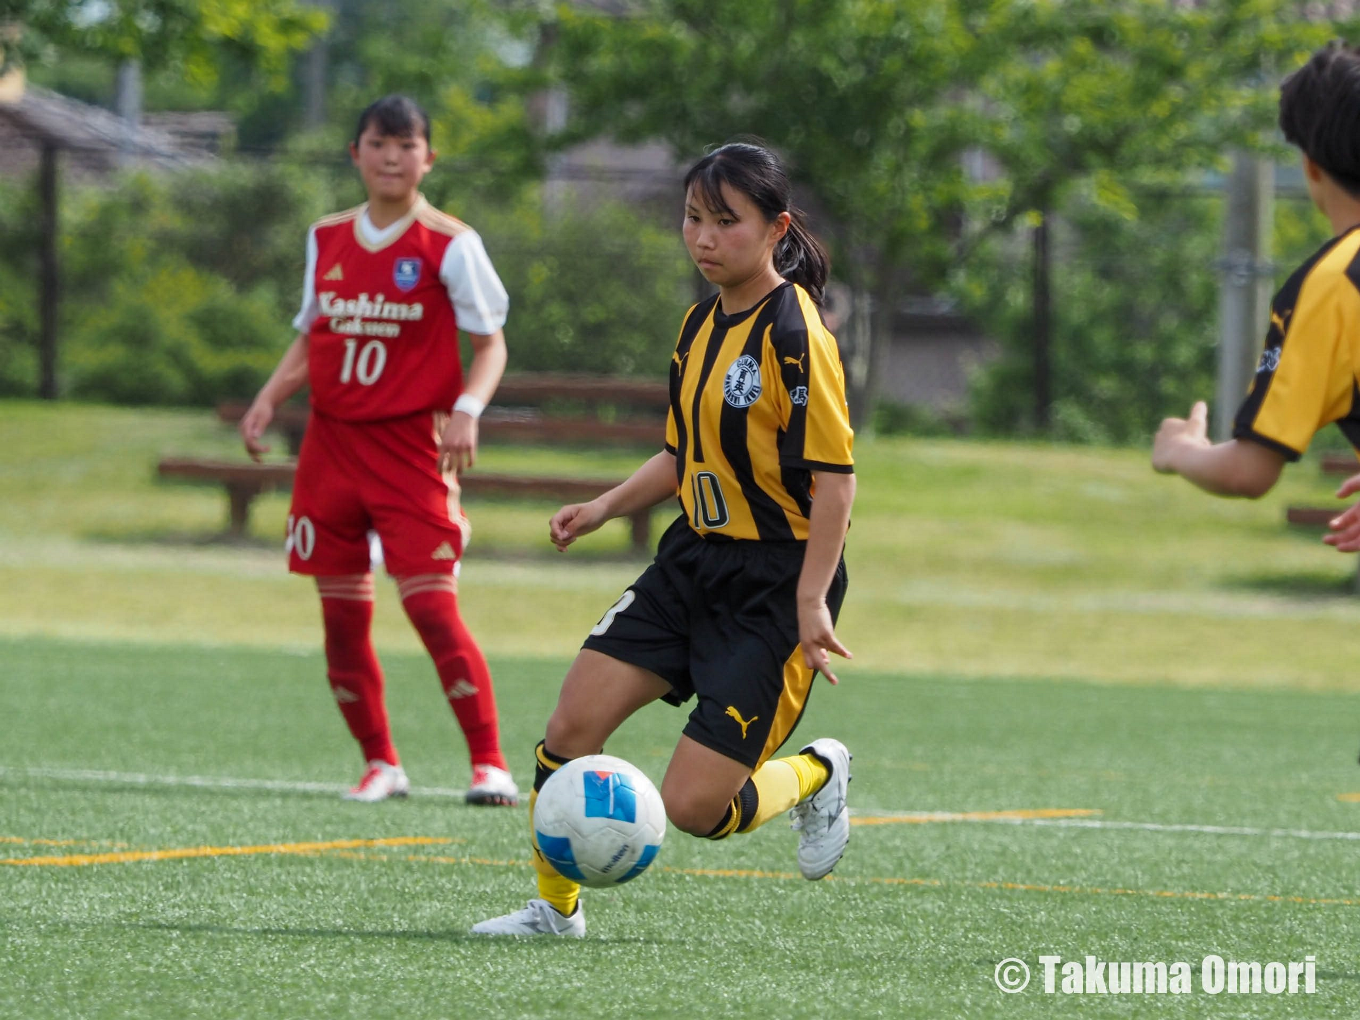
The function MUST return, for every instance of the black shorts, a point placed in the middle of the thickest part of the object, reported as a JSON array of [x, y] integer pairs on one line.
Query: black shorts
[[718, 618]]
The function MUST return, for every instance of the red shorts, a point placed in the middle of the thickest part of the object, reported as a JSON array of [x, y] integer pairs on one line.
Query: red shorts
[[353, 477]]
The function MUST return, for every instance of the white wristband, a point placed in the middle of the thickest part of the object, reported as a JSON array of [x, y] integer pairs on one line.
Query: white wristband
[[469, 405]]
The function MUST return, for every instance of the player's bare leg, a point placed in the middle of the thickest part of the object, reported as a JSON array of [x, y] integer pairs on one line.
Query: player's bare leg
[[709, 794], [598, 694]]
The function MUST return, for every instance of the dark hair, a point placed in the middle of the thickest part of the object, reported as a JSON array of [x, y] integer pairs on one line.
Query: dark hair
[[397, 115], [758, 174], [1320, 112]]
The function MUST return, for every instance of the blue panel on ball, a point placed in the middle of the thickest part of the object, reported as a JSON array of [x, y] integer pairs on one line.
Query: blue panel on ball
[[648, 855], [557, 850], [609, 795]]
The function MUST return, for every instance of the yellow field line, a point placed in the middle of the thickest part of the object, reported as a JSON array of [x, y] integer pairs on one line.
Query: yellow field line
[[344, 848], [179, 853], [932, 883], [972, 816]]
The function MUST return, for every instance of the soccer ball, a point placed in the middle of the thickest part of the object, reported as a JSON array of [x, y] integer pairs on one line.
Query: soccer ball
[[599, 821]]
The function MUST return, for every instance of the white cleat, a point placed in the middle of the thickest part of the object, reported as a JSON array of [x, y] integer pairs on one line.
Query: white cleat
[[491, 785], [380, 782], [538, 918], [822, 819]]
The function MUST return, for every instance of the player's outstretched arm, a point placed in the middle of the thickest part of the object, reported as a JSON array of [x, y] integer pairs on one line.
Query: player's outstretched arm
[[830, 519], [646, 487], [288, 377], [1235, 468]]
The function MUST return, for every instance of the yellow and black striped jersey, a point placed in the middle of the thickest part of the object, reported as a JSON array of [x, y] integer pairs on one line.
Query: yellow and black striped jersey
[[1308, 373], [757, 405]]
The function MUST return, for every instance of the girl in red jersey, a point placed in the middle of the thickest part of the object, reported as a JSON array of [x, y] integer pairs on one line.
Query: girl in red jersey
[[387, 287]]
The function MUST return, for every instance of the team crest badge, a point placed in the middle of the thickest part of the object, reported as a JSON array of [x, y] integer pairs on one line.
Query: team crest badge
[[798, 395], [741, 387], [406, 273]]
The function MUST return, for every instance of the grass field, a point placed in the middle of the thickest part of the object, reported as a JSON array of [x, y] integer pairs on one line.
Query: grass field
[[1092, 712]]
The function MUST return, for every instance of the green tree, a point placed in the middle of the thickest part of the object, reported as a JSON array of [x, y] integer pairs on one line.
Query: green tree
[[1136, 336], [877, 105], [195, 36]]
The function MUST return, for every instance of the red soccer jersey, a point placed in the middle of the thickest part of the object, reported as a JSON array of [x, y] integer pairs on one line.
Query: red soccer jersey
[[380, 317]]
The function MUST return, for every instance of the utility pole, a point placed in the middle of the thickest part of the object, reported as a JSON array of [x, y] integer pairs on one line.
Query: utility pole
[[128, 104], [48, 279], [1042, 324], [1247, 282], [315, 71]]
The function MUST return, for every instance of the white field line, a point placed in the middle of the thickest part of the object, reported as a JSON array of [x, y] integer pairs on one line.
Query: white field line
[[205, 782], [1103, 823], [292, 786]]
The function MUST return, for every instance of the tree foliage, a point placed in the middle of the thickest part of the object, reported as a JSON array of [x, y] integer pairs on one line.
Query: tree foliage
[[192, 36], [1136, 332], [919, 130]]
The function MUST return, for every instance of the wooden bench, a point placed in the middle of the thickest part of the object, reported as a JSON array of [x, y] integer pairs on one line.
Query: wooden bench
[[518, 414], [245, 480], [1319, 516], [529, 407]]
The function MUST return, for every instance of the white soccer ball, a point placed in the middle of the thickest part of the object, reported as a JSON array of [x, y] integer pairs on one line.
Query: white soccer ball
[[599, 821]]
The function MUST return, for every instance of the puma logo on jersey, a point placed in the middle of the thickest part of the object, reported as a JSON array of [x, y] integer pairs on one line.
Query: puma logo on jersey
[[444, 552], [334, 273], [796, 361], [743, 723], [461, 689], [344, 696], [1277, 320], [679, 359]]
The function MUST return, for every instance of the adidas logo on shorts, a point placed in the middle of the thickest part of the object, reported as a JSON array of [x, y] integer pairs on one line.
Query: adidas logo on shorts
[[444, 552], [344, 696]]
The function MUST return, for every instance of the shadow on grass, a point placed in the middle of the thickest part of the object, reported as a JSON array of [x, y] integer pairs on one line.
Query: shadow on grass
[[196, 539], [455, 935], [1316, 585]]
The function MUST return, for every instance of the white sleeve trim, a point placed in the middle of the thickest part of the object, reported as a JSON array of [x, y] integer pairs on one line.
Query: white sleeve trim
[[302, 322], [478, 296]]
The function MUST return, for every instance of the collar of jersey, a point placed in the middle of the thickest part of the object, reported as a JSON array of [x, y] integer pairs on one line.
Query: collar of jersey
[[725, 321], [380, 239]]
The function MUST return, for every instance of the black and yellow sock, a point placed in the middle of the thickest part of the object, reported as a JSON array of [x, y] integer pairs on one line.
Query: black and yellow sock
[[773, 788], [744, 806], [560, 892]]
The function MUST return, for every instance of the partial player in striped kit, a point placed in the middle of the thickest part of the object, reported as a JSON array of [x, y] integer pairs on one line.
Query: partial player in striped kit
[[387, 287]]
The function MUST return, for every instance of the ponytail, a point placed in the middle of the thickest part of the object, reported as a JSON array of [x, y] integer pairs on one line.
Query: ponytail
[[758, 174], [800, 257]]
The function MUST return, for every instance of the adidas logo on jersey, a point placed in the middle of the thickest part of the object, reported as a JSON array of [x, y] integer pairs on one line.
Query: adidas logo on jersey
[[461, 689], [344, 696], [444, 552], [334, 273]]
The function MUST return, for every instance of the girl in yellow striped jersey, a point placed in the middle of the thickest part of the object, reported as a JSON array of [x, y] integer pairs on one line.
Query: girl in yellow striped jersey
[[738, 609]]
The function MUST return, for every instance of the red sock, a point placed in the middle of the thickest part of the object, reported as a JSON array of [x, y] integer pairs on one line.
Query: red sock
[[432, 605], [351, 667]]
